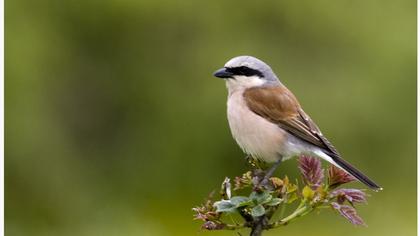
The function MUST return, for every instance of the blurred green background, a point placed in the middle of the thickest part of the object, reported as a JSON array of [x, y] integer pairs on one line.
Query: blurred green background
[[115, 125]]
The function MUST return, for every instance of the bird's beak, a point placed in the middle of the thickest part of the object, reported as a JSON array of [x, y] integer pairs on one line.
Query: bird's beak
[[223, 73]]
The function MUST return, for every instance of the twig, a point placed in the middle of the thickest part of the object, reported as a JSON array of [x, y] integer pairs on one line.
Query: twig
[[259, 225], [300, 211], [234, 227]]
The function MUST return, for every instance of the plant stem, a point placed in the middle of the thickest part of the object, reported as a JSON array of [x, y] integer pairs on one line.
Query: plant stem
[[301, 210], [234, 227], [259, 225]]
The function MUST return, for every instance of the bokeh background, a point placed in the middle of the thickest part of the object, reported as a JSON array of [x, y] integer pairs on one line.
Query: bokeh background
[[115, 125]]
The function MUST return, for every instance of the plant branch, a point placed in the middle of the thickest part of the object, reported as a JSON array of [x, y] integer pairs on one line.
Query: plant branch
[[300, 211], [259, 225], [234, 227]]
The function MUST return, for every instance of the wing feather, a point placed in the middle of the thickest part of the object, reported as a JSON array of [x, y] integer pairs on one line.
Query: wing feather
[[280, 106]]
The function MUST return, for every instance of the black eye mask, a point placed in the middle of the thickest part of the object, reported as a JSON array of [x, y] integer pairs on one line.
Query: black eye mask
[[243, 70]]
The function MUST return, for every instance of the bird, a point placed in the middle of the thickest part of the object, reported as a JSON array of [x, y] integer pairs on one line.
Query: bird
[[268, 122]]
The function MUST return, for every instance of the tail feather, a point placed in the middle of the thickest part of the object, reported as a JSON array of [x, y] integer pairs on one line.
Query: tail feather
[[342, 164], [356, 173]]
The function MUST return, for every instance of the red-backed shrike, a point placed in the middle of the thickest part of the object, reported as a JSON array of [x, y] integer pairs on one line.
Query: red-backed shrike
[[268, 122]]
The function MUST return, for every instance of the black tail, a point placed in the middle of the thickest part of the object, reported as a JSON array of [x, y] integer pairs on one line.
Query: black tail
[[355, 172]]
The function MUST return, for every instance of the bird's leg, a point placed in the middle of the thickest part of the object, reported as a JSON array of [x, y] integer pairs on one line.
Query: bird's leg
[[273, 168], [269, 173]]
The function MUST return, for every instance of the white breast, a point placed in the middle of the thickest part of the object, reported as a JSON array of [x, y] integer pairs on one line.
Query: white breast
[[254, 134]]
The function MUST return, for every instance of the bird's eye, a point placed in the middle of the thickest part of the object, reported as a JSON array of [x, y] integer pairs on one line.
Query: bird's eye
[[243, 70]]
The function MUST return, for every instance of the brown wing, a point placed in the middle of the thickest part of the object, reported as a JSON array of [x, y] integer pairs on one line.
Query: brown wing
[[280, 106]]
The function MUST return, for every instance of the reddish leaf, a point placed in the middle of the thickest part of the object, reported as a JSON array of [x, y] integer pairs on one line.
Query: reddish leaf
[[349, 213], [311, 171], [210, 225], [337, 176], [351, 195]]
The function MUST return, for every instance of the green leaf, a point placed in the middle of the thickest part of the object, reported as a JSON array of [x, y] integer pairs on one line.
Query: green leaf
[[224, 206], [257, 211], [240, 201], [274, 202], [260, 198], [307, 192]]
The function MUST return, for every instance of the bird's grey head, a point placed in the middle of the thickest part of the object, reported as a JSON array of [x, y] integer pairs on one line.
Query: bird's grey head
[[244, 72]]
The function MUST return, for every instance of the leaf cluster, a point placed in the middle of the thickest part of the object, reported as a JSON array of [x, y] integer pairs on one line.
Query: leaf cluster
[[266, 196]]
